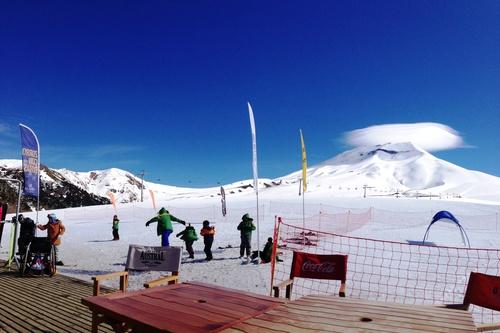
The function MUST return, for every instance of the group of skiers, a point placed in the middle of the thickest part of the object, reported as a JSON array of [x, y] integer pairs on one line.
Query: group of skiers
[[189, 236], [164, 228]]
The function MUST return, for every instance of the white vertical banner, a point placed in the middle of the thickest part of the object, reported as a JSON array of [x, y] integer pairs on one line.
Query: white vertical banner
[[254, 150], [254, 166]]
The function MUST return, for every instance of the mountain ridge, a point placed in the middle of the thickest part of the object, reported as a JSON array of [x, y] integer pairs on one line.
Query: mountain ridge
[[397, 168]]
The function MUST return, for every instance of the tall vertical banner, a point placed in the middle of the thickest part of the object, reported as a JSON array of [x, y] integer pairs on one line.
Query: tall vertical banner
[[254, 167], [223, 200], [304, 163], [304, 179], [31, 161], [152, 194], [254, 150], [113, 200]]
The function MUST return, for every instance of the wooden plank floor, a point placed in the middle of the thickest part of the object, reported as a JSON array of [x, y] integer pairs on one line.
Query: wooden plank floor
[[26, 302]]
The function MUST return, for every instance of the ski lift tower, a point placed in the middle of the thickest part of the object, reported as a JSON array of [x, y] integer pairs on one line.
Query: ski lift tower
[[141, 174], [364, 188]]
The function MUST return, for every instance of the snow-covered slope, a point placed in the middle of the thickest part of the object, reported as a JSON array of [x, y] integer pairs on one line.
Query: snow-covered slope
[[385, 170], [398, 168]]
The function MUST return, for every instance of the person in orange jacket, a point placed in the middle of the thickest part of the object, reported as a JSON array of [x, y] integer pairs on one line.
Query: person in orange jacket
[[55, 228], [208, 234]]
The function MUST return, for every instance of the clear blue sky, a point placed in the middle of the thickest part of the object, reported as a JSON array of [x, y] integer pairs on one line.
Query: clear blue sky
[[162, 86]]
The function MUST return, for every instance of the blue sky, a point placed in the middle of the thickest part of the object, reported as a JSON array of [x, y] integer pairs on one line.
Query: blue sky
[[162, 86]]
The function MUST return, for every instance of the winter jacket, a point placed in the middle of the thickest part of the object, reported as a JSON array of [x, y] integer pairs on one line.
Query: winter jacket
[[188, 234], [27, 228], [246, 226], [207, 231], [54, 230], [116, 224], [164, 220], [267, 252]]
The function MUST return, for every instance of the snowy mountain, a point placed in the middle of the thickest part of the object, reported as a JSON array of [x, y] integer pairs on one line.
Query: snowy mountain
[[55, 190], [400, 169]]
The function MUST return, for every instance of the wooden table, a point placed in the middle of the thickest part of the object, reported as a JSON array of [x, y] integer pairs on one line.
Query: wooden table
[[186, 307], [335, 314]]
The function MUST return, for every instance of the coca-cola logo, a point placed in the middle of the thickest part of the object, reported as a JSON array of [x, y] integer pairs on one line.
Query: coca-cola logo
[[324, 267]]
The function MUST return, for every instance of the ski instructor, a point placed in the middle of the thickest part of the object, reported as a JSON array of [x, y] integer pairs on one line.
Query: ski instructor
[[164, 227]]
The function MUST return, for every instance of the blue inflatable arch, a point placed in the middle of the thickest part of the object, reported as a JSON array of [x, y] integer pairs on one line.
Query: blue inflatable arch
[[443, 214]]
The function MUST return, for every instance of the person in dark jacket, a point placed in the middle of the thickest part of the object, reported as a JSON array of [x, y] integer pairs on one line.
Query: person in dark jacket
[[266, 253], [246, 227], [164, 228], [188, 235], [208, 234], [26, 234], [116, 227]]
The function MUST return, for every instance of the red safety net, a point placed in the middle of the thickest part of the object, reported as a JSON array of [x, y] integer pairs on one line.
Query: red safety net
[[385, 270]]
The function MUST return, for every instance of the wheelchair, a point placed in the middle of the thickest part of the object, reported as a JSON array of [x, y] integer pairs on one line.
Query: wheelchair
[[40, 258]]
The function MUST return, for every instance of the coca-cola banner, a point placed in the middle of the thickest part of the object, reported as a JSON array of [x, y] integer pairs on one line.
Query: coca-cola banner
[[319, 266]]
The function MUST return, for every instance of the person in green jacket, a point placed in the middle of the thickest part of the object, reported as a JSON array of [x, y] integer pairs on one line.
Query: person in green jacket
[[188, 235], [246, 227], [266, 254], [164, 227], [116, 227]]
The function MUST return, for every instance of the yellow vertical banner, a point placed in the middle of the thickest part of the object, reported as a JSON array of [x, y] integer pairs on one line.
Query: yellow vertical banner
[[152, 194], [112, 198], [304, 163]]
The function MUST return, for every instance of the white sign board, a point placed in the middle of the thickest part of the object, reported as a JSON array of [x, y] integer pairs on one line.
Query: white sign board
[[154, 258]]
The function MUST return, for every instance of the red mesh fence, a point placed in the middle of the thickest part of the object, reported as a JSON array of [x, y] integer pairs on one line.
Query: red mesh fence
[[385, 270]]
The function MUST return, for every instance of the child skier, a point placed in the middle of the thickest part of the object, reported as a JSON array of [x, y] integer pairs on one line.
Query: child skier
[[164, 228], [266, 254], [208, 234], [188, 235], [246, 227], [116, 227]]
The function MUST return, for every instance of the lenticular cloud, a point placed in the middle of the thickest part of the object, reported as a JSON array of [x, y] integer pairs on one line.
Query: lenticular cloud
[[428, 136]]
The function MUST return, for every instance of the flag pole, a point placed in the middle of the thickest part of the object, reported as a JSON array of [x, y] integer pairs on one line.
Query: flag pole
[[303, 211]]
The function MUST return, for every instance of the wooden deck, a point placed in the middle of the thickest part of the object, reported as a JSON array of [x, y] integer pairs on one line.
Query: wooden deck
[[25, 302]]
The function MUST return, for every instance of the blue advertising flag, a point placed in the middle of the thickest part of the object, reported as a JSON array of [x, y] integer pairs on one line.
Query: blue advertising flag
[[31, 161]]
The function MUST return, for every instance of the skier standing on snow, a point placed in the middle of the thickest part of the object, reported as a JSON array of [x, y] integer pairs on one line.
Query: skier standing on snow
[[116, 227], [208, 234], [164, 228], [54, 228], [246, 227], [188, 235]]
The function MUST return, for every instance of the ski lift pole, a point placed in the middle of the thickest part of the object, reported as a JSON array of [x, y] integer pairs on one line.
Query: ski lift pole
[[12, 246], [303, 213]]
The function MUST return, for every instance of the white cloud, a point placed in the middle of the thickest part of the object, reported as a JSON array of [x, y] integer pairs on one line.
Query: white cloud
[[428, 136]]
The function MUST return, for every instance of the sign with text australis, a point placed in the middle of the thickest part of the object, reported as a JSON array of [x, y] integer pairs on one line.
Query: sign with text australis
[[319, 266], [154, 258]]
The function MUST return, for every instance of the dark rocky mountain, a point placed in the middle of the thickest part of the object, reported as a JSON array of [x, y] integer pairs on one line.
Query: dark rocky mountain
[[55, 191]]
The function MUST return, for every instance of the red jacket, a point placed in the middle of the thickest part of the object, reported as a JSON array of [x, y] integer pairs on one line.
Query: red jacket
[[54, 230]]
